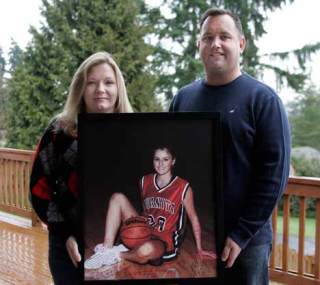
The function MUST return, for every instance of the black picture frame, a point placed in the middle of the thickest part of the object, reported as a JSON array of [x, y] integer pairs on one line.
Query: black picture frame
[[116, 150]]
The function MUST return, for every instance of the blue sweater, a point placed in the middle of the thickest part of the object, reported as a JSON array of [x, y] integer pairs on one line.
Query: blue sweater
[[256, 151]]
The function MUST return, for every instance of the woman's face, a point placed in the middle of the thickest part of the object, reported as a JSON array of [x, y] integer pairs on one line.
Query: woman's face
[[101, 90], [163, 161]]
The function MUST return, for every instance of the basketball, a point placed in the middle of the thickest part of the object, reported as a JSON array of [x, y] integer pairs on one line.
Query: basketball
[[135, 231]]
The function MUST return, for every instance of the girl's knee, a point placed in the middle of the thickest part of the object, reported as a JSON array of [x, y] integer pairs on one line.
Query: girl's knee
[[117, 197], [151, 250], [146, 249]]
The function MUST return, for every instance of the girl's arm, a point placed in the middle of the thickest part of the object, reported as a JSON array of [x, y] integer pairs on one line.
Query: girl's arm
[[188, 203]]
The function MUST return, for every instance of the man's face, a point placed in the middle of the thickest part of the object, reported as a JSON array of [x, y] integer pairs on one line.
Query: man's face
[[220, 46]]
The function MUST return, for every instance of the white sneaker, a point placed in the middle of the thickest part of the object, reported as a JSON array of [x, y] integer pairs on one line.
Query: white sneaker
[[98, 247], [120, 247], [104, 256], [101, 258]]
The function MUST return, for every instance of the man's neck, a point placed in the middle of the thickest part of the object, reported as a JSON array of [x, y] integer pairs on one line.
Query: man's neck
[[221, 79]]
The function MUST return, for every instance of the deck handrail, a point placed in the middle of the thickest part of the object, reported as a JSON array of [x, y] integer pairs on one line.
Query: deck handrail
[[304, 188], [15, 169]]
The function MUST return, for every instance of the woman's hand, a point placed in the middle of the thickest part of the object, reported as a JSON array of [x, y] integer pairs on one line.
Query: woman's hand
[[206, 254], [73, 250]]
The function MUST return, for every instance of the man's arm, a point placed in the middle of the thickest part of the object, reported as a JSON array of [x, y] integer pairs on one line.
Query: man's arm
[[271, 161]]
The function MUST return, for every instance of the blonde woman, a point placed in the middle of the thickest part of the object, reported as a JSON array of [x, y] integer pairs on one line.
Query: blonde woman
[[96, 87]]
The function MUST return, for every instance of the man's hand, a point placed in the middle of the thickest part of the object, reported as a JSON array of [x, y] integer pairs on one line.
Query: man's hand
[[230, 252], [73, 250]]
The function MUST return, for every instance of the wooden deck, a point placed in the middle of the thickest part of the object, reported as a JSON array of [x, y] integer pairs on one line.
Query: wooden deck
[[23, 255]]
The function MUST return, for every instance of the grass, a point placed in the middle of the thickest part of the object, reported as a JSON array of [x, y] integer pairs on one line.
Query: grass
[[310, 226]]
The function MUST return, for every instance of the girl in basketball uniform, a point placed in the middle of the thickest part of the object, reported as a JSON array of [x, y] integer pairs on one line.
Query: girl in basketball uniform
[[166, 199]]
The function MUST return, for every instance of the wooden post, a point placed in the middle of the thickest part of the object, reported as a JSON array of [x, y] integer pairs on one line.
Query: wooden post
[[274, 238], [317, 242], [285, 245], [302, 220], [35, 221]]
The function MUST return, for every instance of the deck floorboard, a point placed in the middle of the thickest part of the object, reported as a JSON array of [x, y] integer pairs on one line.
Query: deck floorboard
[[24, 258], [23, 255]]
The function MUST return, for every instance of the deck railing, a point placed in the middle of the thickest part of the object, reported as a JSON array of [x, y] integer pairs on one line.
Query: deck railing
[[15, 167], [293, 266]]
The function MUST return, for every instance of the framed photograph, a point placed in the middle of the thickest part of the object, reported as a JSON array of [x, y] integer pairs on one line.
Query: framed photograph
[[151, 197]]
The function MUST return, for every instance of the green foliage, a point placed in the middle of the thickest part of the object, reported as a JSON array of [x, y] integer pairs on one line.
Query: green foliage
[[295, 207], [310, 168], [177, 64], [2, 65], [15, 56], [3, 90], [310, 225], [304, 117], [297, 79], [72, 31], [306, 167]]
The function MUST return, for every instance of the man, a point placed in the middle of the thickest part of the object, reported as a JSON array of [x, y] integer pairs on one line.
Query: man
[[256, 144]]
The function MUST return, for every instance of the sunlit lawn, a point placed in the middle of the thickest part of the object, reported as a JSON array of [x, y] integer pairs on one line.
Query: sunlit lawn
[[310, 226]]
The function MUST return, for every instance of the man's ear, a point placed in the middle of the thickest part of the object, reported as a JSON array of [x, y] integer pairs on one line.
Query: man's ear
[[198, 43], [243, 44]]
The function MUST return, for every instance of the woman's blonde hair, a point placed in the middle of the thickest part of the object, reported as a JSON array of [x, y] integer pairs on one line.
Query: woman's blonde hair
[[75, 103]]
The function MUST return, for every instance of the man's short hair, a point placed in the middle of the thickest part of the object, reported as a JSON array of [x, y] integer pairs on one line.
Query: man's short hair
[[212, 12]]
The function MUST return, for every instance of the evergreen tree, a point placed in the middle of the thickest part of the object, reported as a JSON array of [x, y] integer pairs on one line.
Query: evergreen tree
[[73, 30], [3, 90], [2, 66], [304, 117], [181, 28], [15, 56], [6, 69]]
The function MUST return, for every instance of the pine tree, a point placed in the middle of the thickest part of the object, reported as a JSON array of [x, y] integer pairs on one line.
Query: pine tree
[[73, 30], [181, 28], [15, 56], [7, 68]]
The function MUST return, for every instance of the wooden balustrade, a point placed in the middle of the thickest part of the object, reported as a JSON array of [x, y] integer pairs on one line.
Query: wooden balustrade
[[281, 261], [15, 167]]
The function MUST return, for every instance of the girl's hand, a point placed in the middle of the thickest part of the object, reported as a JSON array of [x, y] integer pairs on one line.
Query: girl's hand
[[206, 254], [73, 250]]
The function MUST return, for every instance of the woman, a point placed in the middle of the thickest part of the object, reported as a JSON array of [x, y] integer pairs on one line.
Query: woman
[[96, 87], [165, 198]]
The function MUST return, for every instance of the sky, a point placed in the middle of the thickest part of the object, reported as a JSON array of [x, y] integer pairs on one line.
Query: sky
[[288, 28]]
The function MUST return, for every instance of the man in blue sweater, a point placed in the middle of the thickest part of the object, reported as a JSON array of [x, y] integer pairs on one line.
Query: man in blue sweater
[[256, 145]]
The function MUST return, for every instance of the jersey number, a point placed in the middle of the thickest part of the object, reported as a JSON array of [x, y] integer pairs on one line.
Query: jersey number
[[159, 222]]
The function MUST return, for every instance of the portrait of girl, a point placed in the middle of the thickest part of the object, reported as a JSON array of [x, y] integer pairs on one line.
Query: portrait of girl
[[150, 203], [166, 199]]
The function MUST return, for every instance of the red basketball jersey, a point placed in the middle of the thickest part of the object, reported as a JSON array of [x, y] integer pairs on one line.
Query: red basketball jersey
[[165, 210]]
